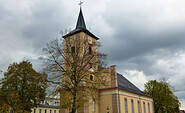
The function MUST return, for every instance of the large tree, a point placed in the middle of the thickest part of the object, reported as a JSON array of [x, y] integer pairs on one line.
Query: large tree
[[22, 88], [163, 96], [74, 66]]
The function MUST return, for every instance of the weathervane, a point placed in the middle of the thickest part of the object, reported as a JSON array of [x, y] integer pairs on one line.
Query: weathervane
[[80, 3]]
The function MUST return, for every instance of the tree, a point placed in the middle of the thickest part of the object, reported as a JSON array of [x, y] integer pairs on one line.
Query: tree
[[22, 88], [3, 106], [74, 66], [163, 96]]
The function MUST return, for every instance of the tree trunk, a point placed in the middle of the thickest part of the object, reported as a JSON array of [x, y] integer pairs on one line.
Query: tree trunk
[[73, 110], [74, 104]]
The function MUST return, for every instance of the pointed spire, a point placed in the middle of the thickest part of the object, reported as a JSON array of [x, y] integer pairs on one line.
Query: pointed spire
[[80, 23]]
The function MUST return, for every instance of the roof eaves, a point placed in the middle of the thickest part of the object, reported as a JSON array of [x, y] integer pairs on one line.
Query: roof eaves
[[80, 30]]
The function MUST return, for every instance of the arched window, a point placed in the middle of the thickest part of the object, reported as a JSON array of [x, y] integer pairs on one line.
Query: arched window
[[73, 49], [91, 77], [132, 103], [90, 50], [139, 108], [90, 65], [144, 107], [148, 107], [126, 106]]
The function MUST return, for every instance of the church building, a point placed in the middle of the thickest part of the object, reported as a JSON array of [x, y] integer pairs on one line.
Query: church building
[[120, 95]]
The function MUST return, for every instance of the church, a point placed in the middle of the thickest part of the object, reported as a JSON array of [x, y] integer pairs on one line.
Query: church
[[120, 95]]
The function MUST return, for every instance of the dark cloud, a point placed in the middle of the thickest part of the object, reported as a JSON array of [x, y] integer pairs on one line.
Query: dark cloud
[[145, 39]]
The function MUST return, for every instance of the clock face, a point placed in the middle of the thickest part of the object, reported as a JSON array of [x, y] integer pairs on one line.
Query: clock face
[[104, 78]]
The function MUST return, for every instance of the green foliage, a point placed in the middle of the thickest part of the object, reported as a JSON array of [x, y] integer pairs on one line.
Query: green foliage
[[163, 96], [22, 88]]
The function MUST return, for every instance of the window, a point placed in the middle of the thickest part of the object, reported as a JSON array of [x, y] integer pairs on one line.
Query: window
[[126, 107], [148, 107], [54, 111], [139, 108], [90, 65], [45, 110], [144, 107], [50, 111], [91, 77], [132, 102], [90, 50], [39, 110], [34, 110], [93, 106], [73, 49]]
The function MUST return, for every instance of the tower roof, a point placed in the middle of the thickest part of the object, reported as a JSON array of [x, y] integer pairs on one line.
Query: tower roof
[[80, 27], [80, 23]]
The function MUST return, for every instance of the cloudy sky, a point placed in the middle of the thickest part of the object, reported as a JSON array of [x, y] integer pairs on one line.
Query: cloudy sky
[[145, 38]]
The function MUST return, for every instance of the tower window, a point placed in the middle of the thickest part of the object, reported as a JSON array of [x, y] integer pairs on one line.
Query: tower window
[[90, 50], [73, 49], [90, 65], [91, 77]]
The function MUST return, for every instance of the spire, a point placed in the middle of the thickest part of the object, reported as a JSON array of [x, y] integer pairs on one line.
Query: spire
[[80, 26], [80, 23]]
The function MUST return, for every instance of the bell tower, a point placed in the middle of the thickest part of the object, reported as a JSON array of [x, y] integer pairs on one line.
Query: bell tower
[[83, 41], [82, 56]]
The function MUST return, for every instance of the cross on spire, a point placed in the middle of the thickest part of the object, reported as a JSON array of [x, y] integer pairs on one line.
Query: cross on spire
[[80, 3]]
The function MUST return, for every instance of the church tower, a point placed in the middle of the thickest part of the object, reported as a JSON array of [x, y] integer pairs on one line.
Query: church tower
[[82, 54], [83, 41]]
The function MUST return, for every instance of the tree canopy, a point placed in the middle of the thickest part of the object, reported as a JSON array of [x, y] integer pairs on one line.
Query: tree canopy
[[163, 96], [22, 88], [73, 66]]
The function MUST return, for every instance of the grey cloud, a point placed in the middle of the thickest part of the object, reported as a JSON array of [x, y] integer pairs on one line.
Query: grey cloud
[[135, 34]]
